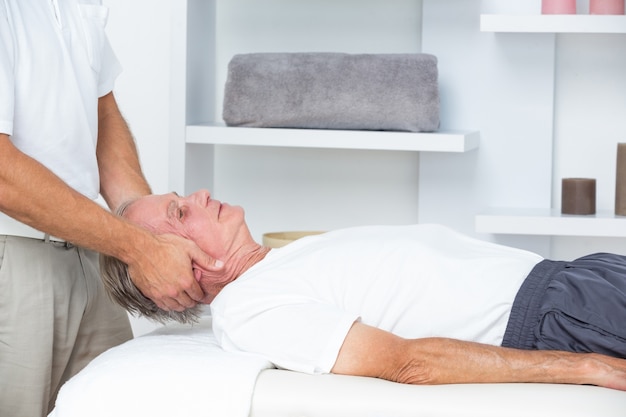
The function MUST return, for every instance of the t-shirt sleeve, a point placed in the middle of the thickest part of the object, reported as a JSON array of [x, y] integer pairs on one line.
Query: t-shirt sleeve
[[7, 80], [110, 70], [301, 336]]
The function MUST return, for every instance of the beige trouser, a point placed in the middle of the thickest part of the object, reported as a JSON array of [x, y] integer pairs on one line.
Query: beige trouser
[[54, 318]]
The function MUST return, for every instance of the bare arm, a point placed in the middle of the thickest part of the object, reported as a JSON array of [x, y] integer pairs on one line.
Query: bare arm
[[368, 351], [161, 265], [121, 178]]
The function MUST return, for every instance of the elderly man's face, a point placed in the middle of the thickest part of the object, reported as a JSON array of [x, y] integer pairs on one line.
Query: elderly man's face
[[212, 225]]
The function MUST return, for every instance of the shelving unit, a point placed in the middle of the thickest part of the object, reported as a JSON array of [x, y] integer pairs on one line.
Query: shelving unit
[[197, 137], [550, 222], [200, 143], [545, 221], [553, 23], [443, 141]]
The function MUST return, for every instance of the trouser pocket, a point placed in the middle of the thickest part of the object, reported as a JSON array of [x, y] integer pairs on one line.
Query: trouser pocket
[[560, 331]]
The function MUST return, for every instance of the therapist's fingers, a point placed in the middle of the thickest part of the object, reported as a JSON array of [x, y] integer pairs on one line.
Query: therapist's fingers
[[168, 292], [179, 295], [190, 291]]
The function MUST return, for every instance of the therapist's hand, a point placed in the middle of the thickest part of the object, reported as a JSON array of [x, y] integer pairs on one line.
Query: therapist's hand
[[165, 275]]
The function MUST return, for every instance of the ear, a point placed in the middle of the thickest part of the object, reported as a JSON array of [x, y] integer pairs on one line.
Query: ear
[[197, 273]]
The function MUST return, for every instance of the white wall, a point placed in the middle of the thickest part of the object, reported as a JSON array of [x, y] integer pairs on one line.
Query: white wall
[[501, 85], [139, 31], [590, 119]]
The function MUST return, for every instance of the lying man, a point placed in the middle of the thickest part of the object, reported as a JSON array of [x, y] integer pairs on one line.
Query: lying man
[[413, 304]]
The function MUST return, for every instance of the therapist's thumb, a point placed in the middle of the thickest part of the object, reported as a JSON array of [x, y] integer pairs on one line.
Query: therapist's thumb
[[203, 261]]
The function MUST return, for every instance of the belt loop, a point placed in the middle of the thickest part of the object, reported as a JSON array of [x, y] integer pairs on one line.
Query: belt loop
[[63, 243]]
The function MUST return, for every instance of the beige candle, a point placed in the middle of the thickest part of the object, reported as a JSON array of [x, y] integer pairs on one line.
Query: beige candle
[[620, 180], [578, 196]]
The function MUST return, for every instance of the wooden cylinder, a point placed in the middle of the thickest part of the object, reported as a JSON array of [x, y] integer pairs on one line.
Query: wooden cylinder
[[606, 7], [578, 196], [620, 180], [558, 6]]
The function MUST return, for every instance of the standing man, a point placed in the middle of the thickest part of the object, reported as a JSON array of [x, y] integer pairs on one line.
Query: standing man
[[63, 142]]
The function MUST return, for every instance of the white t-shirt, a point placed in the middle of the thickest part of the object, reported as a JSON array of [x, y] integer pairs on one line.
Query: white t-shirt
[[55, 62], [296, 306]]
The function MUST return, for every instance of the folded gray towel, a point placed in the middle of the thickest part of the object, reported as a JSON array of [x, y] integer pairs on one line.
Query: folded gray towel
[[333, 91]]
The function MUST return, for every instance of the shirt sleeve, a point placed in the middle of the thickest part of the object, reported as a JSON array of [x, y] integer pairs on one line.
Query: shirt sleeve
[[103, 59], [7, 79], [300, 336], [111, 69]]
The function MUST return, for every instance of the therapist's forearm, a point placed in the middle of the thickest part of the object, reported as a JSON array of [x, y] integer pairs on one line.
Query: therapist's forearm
[[121, 178], [32, 194]]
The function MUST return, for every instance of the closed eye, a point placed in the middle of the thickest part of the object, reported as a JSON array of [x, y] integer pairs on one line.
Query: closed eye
[[174, 210], [181, 212]]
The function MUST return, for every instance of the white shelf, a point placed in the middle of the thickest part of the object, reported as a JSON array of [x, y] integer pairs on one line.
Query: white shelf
[[445, 141], [553, 23], [550, 222]]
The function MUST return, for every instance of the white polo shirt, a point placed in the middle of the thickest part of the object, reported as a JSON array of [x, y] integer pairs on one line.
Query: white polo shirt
[[55, 62]]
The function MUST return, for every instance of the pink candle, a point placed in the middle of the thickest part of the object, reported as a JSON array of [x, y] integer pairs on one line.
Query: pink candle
[[558, 6], [606, 7]]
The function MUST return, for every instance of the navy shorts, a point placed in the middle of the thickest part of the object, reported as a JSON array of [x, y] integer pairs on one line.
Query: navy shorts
[[577, 306]]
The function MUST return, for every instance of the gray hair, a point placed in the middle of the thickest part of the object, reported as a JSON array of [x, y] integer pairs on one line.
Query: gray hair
[[122, 290]]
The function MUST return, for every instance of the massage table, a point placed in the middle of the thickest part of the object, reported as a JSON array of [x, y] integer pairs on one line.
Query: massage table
[[180, 370]]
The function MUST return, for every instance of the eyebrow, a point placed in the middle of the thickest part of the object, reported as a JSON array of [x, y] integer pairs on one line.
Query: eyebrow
[[172, 206]]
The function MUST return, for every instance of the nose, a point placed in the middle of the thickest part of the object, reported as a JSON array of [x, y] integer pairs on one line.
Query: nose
[[201, 197]]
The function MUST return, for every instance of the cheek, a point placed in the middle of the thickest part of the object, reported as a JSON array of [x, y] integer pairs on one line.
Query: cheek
[[207, 238], [191, 230]]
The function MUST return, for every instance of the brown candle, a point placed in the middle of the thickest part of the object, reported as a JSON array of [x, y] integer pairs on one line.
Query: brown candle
[[620, 180], [578, 195]]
